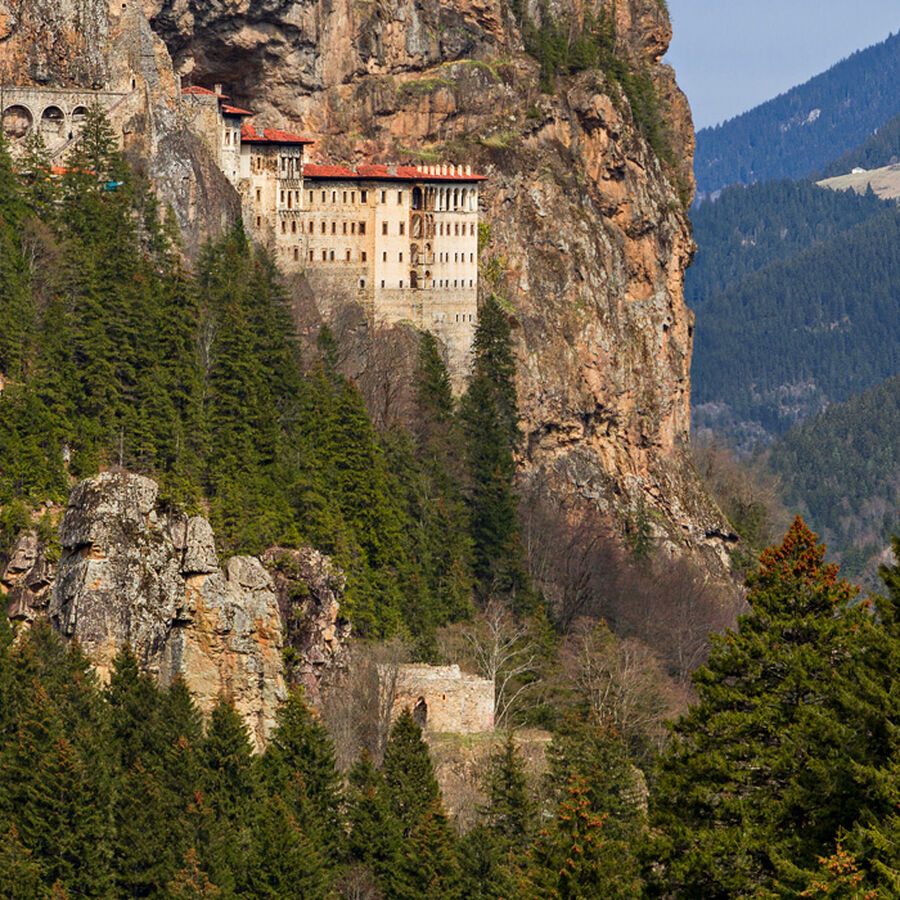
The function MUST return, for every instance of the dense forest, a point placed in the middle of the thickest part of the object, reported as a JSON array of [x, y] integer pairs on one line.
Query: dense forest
[[880, 149], [122, 791], [782, 343], [840, 469], [113, 354], [746, 228], [804, 129]]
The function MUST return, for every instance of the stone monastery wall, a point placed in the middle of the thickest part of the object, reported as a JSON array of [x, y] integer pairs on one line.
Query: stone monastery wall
[[443, 699]]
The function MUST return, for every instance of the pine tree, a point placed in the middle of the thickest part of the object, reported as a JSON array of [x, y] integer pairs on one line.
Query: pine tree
[[490, 425], [229, 789], [21, 877], [576, 859], [408, 774], [510, 812], [776, 758], [301, 748], [375, 835]]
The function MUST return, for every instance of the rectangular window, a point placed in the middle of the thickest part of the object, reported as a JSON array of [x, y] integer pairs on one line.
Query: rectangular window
[[283, 227], [310, 196], [348, 256], [384, 227], [472, 229], [353, 196], [312, 226], [384, 196], [345, 197], [362, 227], [362, 282], [401, 257], [382, 282], [345, 227], [402, 227], [323, 228], [456, 231], [282, 198], [353, 228], [258, 221], [401, 282], [334, 196], [323, 196], [384, 256], [362, 255], [363, 196], [331, 256], [296, 253], [324, 256], [334, 227], [310, 255], [258, 195], [399, 196]]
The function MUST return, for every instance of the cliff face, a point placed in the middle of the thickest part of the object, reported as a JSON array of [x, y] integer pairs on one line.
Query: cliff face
[[133, 570], [589, 237]]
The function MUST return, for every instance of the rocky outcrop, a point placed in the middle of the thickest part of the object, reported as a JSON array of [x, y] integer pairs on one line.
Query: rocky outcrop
[[134, 571], [27, 578], [309, 589]]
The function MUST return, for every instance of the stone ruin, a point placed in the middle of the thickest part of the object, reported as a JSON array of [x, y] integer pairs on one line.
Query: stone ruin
[[443, 699]]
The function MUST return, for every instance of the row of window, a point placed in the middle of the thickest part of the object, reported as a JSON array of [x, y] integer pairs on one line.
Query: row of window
[[348, 227]]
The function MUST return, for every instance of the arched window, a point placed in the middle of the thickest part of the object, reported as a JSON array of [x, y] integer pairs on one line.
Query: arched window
[[417, 198], [414, 280], [53, 122], [17, 121]]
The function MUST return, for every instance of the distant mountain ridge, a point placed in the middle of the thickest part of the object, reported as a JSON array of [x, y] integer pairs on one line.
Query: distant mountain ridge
[[804, 129]]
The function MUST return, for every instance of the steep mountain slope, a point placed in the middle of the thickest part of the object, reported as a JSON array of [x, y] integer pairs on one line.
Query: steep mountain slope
[[804, 129], [877, 150], [841, 470], [784, 342], [747, 228], [587, 234]]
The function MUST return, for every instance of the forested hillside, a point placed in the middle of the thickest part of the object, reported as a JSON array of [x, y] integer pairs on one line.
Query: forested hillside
[[747, 228], [782, 343], [841, 469], [804, 129], [113, 355], [879, 149]]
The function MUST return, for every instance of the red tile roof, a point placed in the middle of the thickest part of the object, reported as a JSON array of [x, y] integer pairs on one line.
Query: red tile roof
[[389, 173], [198, 91], [235, 110], [249, 135]]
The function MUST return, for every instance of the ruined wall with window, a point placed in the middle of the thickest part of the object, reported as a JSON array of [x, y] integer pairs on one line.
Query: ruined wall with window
[[442, 699]]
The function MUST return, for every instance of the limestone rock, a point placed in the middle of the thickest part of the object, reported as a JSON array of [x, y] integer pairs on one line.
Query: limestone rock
[[132, 571], [310, 588], [27, 578]]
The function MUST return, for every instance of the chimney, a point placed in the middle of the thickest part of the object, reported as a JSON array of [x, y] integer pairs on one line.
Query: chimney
[[218, 88], [468, 169]]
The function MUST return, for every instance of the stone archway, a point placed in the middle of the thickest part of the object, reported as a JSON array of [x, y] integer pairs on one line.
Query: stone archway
[[53, 123], [420, 713], [17, 121]]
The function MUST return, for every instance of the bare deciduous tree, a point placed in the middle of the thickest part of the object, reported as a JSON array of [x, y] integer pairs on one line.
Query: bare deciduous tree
[[357, 704], [503, 652]]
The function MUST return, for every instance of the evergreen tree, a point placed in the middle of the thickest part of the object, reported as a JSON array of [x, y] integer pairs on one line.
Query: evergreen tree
[[577, 860], [510, 812], [408, 774], [490, 425], [301, 749], [375, 835], [777, 756]]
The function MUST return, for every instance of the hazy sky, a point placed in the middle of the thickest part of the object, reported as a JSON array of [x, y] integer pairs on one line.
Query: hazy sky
[[730, 55]]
